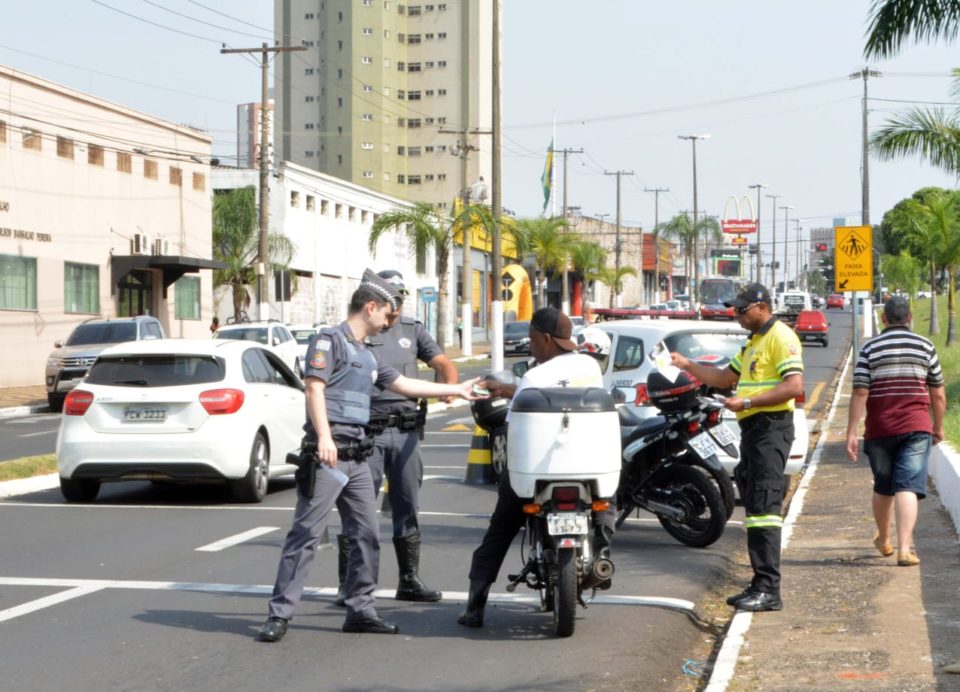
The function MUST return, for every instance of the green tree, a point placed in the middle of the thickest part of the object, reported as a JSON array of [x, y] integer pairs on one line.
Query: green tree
[[893, 22], [236, 241], [424, 229], [549, 241], [590, 259], [682, 229], [901, 272], [816, 282], [613, 278]]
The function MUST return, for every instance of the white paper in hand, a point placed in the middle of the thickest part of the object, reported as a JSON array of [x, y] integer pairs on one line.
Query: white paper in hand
[[337, 474], [661, 358]]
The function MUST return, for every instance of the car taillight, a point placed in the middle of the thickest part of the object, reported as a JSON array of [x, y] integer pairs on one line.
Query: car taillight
[[218, 401], [77, 402], [566, 497], [643, 397]]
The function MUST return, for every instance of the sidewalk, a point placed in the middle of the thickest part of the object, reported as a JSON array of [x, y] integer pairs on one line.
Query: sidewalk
[[852, 620]]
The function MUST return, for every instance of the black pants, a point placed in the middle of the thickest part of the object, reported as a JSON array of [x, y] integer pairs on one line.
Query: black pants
[[764, 448], [507, 520]]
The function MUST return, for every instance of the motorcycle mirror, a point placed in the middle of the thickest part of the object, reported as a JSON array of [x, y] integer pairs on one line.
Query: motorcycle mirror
[[618, 396], [520, 367]]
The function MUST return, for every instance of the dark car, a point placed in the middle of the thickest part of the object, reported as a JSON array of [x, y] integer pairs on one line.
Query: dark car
[[812, 325], [516, 338]]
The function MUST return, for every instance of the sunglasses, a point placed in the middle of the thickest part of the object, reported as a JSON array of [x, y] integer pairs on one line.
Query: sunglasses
[[745, 309]]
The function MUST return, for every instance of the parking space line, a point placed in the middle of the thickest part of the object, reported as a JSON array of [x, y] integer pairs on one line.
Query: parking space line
[[42, 432], [230, 541], [47, 601]]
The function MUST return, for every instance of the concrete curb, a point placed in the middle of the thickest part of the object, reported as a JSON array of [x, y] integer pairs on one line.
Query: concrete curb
[[22, 486], [945, 470], [14, 411]]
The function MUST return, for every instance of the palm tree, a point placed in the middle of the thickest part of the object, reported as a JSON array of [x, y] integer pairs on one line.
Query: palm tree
[[613, 278], [905, 225], [424, 229], [940, 218], [590, 259], [892, 22], [236, 241], [549, 241], [680, 228]]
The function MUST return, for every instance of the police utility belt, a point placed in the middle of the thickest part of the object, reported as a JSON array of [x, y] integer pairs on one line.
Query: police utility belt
[[405, 421]]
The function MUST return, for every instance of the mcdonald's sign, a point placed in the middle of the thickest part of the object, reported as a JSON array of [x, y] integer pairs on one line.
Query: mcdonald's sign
[[738, 224]]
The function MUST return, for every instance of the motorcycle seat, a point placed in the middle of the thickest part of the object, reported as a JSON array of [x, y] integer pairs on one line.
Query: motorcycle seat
[[632, 425]]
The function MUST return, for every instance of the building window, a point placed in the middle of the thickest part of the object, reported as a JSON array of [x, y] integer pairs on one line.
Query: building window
[[413, 38], [428, 176], [339, 73], [386, 34], [367, 31], [18, 283], [428, 8], [428, 64], [95, 155], [401, 9], [324, 207], [413, 10], [308, 44], [368, 3], [149, 169], [413, 96], [64, 148], [308, 126], [441, 176], [413, 67], [442, 7], [308, 154], [441, 35], [401, 66], [31, 139], [340, 159], [199, 182], [339, 102], [413, 122], [428, 121], [413, 180], [401, 178], [367, 117], [176, 176], [294, 199], [124, 162], [308, 99], [428, 148], [441, 121], [187, 298], [441, 147], [366, 60], [308, 15], [413, 151], [401, 94], [338, 211], [386, 4], [401, 122], [81, 288], [311, 202], [308, 71], [441, 63], [366, 145], [3, 131], [428, 92], [366, 88], [428, 37], [368, 175], [339, 45], [441, 92], [401, 150]]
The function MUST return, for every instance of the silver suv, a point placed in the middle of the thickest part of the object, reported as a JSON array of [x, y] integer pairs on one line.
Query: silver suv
[[70, 360]]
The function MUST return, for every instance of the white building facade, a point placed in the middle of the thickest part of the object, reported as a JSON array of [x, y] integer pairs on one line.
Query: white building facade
[[104, 212]]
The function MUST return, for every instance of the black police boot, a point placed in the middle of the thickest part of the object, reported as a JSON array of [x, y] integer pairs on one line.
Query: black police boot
[[411, 587], [343, 559], [602, 537], [272, 630], [472, 616], [374, 625]]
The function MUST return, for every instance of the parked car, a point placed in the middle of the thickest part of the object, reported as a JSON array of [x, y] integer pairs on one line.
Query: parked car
[[812, 325], [181, 410], [302, 333], [70, 360], [273, 335], [516, 338], [710, 342], [835, 300]]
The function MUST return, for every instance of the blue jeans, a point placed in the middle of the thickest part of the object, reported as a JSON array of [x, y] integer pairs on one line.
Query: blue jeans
[[899, 463]]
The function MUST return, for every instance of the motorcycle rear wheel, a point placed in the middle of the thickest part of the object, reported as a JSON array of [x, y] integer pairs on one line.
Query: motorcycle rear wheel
[[701, 499], [565, 593], [722, 482]]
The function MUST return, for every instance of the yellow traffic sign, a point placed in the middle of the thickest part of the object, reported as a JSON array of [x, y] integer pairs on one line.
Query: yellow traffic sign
[[853, 258]]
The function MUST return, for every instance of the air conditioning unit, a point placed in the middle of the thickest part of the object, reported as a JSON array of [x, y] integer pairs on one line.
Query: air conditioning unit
[[161, 247], [140, 244]]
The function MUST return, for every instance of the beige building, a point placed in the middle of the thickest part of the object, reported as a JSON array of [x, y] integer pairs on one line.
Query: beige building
[[379, 82], [104, 212]]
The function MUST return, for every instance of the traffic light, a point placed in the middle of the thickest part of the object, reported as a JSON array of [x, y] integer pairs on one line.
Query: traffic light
[[821, 247]]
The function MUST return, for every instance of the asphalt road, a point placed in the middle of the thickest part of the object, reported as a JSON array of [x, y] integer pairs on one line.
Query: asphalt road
[[158, 587]]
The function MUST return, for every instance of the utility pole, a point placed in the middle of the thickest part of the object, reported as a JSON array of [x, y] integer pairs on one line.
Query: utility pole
[[758, 267], [786, 241], [565, 288], [496, 345], [801, 272], [773, 252], [616, 247], [656, 239], [263, 254]]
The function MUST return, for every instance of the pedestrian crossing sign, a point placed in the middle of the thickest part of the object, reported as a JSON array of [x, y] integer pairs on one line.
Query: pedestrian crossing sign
[[853, 258]]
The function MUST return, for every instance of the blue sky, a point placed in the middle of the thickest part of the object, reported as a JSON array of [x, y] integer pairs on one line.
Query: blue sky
[[766, 78]]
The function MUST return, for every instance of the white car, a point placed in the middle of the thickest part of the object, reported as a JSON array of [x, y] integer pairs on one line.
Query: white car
[[273, 335], [627, 369], [302, 333], [184, 411]]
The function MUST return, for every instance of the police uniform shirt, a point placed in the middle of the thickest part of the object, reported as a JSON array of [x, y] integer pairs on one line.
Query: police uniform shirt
[[401, 346], [570, 369], [771, 354], [327, 355]]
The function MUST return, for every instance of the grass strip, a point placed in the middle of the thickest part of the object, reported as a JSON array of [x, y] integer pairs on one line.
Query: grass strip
[[26, 467]]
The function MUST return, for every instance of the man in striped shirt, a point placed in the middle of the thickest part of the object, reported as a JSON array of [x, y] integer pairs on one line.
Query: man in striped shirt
[[897, 380]]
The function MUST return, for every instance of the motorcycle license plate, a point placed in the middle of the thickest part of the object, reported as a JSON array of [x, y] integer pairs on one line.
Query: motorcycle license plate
[[703, 445], [566, 523], [723, 435]]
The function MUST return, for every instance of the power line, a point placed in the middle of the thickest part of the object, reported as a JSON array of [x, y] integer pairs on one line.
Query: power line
[[147, 21], [200, 21]]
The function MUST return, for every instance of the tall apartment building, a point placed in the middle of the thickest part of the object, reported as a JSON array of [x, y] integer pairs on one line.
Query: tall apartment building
[[379, 81], [248, 133]]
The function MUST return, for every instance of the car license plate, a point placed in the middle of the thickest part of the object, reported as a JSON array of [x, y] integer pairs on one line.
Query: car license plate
[[723, 435], [144, 414], [703, 445], [566, 523]]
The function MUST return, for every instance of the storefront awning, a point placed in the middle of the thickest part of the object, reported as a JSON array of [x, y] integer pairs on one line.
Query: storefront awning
[[171, 266]]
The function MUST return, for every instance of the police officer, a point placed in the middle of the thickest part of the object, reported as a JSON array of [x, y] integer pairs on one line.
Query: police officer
[[397, 422], [340, 376], [768, 373]]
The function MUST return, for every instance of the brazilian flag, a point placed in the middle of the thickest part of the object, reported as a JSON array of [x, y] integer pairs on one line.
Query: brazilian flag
[[546, 180]]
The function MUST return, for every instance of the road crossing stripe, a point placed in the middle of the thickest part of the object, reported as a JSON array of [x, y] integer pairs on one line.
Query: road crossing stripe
[[230, 541], [47, 601]]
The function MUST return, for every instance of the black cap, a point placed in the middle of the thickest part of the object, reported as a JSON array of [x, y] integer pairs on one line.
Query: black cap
[[377, 285], [749, 294], [553, 322], [392, 276]]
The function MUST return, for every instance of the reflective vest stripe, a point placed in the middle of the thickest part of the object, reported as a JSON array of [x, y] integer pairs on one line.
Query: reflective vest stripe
[[764, 521]]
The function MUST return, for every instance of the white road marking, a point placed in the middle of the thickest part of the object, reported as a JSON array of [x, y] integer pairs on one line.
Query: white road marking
[[42, 432], [242, 508], [47, 601], [229, 541], [442, 478], [85, 586], [461, 467]]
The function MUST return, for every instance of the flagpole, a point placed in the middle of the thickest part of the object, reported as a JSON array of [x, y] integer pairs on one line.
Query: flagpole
[[553, 168]]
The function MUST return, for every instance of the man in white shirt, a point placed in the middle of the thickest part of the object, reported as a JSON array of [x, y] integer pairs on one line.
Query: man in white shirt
[[559, 364]]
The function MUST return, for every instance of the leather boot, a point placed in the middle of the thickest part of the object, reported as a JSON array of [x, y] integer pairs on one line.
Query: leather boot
[[472, 616], [343, 559], [411, 587]]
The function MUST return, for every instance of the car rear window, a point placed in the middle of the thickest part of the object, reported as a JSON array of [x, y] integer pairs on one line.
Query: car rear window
[[516, 328], [155, 370], [303, 336], [258, 334], [103, 333], [717, 348]]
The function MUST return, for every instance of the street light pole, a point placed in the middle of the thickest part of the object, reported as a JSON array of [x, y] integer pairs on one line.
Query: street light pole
[[773, 251], [758, 267], [800, 273], [696, 235], [786, 240]]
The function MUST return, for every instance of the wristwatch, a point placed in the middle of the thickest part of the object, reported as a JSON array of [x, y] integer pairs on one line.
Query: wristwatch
[[747, 404]]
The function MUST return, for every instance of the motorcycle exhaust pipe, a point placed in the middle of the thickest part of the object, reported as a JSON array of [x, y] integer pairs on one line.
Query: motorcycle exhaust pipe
[[603, 568]]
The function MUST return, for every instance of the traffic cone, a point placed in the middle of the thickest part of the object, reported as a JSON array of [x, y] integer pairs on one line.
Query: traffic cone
[[385, 509], [479, 466]]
